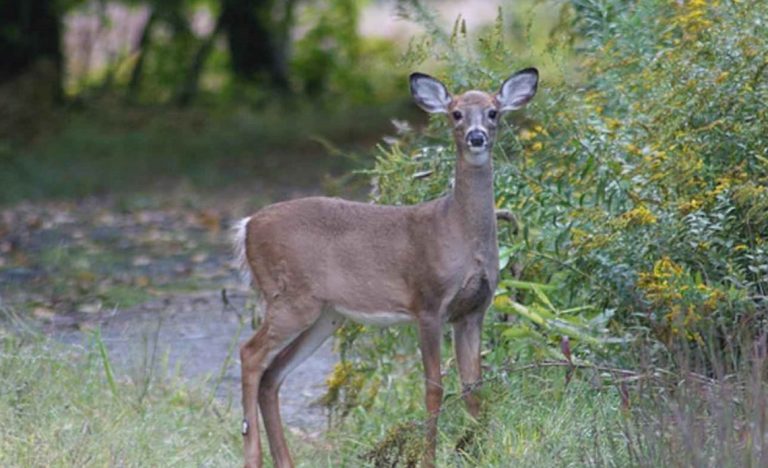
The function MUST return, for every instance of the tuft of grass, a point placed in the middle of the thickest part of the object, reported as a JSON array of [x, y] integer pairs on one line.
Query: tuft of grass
[[60, 408]]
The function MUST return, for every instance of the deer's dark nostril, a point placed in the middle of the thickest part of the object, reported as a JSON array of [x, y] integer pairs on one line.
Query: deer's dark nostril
[[476, 138]]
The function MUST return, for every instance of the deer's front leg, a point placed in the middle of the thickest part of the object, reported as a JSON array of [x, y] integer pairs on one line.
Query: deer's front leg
[[467, 334], [429, 333]]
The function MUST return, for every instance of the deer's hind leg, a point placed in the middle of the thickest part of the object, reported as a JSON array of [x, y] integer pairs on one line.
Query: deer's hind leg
[[289, 358], [283, 322]]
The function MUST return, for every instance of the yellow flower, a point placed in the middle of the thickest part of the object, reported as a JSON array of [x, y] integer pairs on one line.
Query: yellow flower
[[639, 216], [613, 124], [692, 16], [689, 206], [339, 375], [722, 77]]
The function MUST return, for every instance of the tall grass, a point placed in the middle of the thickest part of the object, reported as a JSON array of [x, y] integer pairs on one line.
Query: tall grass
[[648, 416], [58, 407]]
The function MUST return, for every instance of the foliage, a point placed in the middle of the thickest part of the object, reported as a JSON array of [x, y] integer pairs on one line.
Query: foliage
[[530, 419], [640, 188], [313, 50], [117, 150], [535, 417], [333, 62], [638, 182], [658, 169]]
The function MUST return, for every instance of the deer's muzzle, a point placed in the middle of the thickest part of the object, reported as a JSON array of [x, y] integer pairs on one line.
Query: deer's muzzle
[[477, 139]]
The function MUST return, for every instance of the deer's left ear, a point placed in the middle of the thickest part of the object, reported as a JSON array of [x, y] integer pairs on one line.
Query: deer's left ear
[[518, 89]]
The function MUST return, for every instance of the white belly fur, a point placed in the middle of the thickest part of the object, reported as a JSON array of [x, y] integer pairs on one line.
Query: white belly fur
[[376, 318]]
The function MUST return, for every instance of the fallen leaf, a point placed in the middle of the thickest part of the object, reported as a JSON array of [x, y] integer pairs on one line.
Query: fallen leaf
[[199, 257], [210, 220], [85, 276], [86, 326], [43, 313], [90, 308], [141, 260], [141, 281]]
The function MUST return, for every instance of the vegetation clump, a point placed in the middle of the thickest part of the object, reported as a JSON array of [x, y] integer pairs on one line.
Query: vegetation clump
[[638, 180]]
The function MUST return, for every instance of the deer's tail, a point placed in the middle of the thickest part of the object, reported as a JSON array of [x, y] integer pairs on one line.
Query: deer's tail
[[239, 233]]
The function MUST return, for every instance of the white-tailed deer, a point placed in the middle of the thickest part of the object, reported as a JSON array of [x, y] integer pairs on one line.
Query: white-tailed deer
[[317, 261]]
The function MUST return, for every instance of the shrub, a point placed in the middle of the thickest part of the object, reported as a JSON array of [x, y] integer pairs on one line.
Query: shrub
[[639, 180]]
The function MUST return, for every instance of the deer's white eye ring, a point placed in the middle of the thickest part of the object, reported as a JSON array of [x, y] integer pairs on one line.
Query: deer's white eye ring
[[456, 115], [492, 114]]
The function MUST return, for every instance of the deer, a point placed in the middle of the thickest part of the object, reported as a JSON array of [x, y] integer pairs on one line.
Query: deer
[[318, 261]]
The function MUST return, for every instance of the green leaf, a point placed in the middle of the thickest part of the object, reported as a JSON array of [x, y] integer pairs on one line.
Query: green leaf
[[544, 299], [526, 285]]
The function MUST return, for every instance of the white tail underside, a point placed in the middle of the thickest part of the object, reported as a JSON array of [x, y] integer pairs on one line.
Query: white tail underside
[[238, 244]]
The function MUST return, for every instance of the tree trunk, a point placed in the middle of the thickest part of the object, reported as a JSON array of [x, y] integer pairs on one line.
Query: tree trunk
[[257, 51], [141, 49], [30, 35], [191, 84]]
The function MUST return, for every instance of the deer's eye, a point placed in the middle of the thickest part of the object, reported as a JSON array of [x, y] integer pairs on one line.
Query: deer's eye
[[456, 115], [492, 114]]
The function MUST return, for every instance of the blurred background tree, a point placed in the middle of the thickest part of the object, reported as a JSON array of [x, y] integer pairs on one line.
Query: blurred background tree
[[162, 51], [30, 36], [93, 86]]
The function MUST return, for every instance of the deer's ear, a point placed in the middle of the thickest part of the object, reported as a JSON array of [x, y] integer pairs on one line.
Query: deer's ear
[[518, 89], [429, 93]]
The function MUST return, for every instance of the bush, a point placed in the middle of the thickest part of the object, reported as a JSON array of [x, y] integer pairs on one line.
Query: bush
[[641, 187], [638, 179]]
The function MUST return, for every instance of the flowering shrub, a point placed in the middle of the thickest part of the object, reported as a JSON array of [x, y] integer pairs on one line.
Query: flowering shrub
[[639, 182]]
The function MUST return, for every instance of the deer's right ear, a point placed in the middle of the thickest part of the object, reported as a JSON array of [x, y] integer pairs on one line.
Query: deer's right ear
[[429, 93]]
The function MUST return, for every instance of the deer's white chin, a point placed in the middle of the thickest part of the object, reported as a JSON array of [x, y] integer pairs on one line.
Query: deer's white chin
[[477, 156]]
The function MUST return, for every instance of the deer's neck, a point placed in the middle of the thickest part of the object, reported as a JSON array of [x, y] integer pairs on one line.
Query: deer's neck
[[473, 199]]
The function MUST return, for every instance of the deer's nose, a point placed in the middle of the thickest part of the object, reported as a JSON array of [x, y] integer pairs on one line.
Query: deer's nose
[[476, 138]]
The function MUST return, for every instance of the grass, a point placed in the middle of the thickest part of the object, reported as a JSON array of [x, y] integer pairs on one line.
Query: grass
[[685, 414], [67, 406], [58, 409], [531, 419], [116, 149]]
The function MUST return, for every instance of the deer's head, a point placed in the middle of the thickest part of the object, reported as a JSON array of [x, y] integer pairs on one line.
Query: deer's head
[[474, 114]]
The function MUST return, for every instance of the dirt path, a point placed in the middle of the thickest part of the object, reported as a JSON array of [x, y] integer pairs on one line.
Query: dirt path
[[150, 276]]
